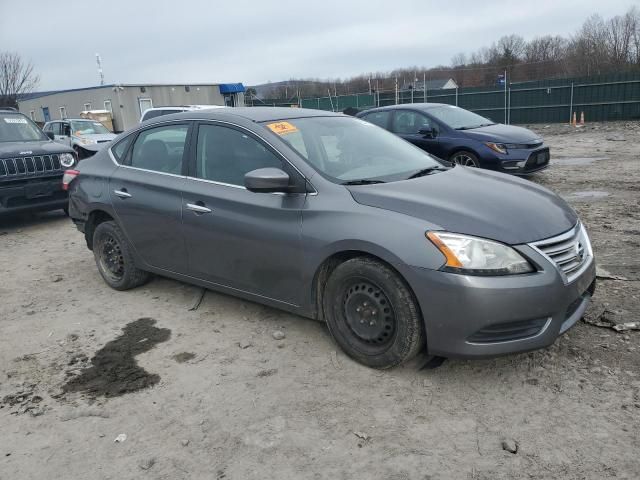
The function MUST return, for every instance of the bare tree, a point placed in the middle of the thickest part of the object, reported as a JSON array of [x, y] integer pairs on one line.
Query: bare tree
[[16, 77]]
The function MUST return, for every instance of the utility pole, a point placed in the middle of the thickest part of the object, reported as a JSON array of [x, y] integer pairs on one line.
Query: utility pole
[[99, 62]]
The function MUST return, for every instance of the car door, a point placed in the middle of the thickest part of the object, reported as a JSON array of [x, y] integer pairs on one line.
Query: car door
[[416, 128], [240, 239], [146, 193], [62, 132]]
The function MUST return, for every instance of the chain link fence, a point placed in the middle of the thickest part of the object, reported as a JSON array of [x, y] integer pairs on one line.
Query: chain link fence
[[599, 98]]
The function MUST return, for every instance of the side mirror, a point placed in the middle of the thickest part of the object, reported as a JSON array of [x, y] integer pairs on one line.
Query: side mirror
[[265, 180], [50, 135], [67, 130], [429, 132]]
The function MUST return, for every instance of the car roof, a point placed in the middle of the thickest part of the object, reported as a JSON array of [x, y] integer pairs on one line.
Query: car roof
[[73, 120], [415, 106], [254, 114]]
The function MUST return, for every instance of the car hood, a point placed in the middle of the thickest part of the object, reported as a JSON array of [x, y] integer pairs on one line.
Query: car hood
[[98, 137], [23, 149], [475, 202], [503, 134]]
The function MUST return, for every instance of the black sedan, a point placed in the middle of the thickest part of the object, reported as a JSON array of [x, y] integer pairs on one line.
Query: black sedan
[[463, 137]]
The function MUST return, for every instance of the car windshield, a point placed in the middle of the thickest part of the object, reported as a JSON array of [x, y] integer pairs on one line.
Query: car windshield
[[346, 149], [18, 128], [87, 127], [459, 118]]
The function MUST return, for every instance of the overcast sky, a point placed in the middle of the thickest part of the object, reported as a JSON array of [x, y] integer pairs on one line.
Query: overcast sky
[[250, 41]]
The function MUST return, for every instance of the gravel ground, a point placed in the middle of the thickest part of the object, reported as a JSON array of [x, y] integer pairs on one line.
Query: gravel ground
[[101, 384]]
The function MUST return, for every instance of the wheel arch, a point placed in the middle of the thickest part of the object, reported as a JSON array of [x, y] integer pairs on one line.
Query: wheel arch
[[95, 218], [329, 264], [460, 148]]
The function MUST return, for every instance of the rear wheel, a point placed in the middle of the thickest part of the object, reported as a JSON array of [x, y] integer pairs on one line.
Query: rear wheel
[[372, 314], [114, 258], [464, 158]]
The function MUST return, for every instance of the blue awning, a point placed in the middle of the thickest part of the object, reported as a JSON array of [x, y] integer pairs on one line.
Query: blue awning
[[231, 88]]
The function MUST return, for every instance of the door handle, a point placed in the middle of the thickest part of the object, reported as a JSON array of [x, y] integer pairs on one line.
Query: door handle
[[198, 207], [122, 193]]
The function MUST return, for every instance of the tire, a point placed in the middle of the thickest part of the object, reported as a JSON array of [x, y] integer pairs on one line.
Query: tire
[[66, 211], [361, 291], [465, 158], [114, 258]]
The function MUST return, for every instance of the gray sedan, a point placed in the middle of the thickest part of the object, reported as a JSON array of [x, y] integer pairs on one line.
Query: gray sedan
[[334, 218]]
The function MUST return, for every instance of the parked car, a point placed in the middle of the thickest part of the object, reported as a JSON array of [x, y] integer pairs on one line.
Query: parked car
[[154, 112], [463, 137], [31, 166], [333, 218], [85, 136]]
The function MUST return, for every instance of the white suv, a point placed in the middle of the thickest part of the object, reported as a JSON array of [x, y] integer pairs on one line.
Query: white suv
[[159, 111]]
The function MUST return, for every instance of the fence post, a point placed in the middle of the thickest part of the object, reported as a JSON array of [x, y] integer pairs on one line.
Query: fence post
[[505, 96], [571, 103], [509, 106], [456, 95]]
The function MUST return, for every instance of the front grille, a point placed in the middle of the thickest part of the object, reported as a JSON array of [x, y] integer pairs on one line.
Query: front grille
[[523, 146], [22, 166], [537, 159], [569, 251], [508, 332]]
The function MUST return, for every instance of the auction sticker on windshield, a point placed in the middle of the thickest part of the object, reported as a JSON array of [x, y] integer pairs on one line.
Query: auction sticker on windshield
[[15, 120], [282, 128]]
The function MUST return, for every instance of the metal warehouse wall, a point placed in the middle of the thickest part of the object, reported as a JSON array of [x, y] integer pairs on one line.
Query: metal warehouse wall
[[125, 101], [601, 98]]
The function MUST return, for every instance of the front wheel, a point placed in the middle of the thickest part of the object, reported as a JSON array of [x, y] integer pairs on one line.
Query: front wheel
[[372, 314], [464, 158], [114, 258]]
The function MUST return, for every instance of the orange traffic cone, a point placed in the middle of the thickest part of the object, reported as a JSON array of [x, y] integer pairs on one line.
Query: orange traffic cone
[[581, 118], [573, 121]]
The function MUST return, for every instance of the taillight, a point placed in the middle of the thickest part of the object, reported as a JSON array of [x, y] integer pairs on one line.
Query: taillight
[[68, 177]]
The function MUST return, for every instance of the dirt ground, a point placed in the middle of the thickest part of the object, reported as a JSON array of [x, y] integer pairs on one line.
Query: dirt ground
[[211, 394]]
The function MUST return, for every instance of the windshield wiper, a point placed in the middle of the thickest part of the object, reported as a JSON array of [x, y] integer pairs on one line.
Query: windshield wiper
[[471, 127], [362, 181], [426, 171]]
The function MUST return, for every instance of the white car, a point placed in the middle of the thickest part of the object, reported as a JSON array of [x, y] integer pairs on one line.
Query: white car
[[159, 111], [85, 136]]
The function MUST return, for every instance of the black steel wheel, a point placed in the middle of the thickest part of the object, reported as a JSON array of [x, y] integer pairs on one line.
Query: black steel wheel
[[369, 315], [114, 258], [372, 313]]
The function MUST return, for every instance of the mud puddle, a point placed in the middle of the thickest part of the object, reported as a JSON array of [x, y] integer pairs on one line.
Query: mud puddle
[[114, 370]]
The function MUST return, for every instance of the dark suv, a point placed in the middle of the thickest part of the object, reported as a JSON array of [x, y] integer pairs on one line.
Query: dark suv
[[31, 166]]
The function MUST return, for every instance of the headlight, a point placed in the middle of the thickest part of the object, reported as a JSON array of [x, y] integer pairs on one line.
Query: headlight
[[67, 160], [87, 141], [497, 147], [477, 256]]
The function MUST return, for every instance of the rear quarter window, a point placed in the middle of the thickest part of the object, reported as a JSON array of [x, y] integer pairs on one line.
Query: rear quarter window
[[119, 150]]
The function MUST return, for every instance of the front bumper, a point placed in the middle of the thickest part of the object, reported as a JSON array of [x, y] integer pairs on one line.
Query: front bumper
[[476, 317], [520, 161], [34, 194]]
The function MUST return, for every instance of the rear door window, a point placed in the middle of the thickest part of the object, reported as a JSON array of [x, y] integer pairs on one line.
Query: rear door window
[[380, 119], [160, 149]]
